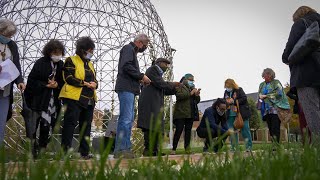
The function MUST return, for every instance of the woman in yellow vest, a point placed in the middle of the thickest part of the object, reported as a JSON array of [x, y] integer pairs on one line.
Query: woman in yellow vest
[[79, 95]]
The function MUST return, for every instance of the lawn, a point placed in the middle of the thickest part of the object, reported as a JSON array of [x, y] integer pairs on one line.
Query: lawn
[[290, 161]]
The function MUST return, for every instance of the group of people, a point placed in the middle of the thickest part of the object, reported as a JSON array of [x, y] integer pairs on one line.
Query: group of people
[[73, 82], [50, 82]]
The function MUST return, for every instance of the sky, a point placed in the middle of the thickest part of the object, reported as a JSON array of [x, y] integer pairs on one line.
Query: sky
[[220, 39]]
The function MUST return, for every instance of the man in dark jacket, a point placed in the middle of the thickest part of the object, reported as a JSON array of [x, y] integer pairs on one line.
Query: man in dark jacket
[[305, 74], [151, 102], [127, 87]]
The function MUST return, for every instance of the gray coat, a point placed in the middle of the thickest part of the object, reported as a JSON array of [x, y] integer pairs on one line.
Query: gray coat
[[151, 101]]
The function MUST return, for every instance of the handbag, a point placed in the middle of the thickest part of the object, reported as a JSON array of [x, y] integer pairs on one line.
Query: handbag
[[238, 123], [309, 42]]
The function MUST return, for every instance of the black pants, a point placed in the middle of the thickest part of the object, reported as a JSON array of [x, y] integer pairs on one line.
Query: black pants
[[204, 133], [151, 141], [73, 114], [44, 130], [181, 124], [273, 122]]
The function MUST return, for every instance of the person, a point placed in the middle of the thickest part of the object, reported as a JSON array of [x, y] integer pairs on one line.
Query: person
[[213, 125], [303, 74], [297, 109], [8, 51], [151, 104], [274, 100], [79, 95], [42, 92], [232, 94], [127, 87], [185, 111]]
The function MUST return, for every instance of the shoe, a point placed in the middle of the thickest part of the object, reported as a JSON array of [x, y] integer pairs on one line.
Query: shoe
[[248, 149], [173, 152], [87, 157]]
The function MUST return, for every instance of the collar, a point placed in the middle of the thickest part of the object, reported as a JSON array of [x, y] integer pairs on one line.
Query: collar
[[160, 70], [135, 47]]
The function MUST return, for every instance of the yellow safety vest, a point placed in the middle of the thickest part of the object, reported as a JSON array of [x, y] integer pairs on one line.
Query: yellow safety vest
[[72, 92]]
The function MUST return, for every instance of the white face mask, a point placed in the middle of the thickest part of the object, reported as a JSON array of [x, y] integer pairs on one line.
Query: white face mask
[[89, 56], [56, 58], [229, 89]]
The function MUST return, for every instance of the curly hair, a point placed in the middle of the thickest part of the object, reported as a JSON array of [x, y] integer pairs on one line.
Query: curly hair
[[218, 102], [52, 46], [302, 11], [84, 44], [270, 72]]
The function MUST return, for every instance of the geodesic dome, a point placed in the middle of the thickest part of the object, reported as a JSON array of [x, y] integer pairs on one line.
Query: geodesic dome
[[111, 24]]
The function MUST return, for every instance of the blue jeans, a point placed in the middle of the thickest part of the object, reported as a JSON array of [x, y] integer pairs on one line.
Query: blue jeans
[[125, 121], [245, 132], [4, 107]]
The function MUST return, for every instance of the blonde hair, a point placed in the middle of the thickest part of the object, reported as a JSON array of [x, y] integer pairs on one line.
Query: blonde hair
[[302, 11], [231, 83]]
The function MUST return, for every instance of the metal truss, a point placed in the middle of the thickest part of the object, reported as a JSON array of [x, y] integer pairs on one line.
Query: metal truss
[[110, 23]]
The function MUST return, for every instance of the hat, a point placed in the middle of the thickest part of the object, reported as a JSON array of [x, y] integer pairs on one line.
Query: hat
[[163, 60], [187, 76]]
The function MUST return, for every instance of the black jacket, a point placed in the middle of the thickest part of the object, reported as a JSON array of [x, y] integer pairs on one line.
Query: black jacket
[[151, 100], [243, 102], [306, 73], [129, 73], [37, 95], [216, 123], [16, 60]]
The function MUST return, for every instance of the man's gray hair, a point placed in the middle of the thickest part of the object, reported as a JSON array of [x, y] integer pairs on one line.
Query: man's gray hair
[[141, 37], [7, 27], [270, 72]]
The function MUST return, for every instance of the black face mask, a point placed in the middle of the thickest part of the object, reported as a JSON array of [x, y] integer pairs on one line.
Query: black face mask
[[141, 50]]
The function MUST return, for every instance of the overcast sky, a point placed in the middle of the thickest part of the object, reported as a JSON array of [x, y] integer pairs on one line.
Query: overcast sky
[[219, 39]]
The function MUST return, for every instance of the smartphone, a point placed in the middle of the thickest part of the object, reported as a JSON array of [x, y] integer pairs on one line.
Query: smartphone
[[51, 76]]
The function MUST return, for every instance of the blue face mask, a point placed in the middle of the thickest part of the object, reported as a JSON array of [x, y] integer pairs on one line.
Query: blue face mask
[[191, 84], [4, 40], [229, 89]]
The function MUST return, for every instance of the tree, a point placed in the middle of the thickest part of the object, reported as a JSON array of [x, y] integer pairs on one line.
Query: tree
[[255, 119]]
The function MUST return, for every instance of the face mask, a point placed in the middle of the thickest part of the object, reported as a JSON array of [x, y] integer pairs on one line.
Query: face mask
[[191, 84], [4, 40], [56, 58], [141, 50], [229, 89], [88, 56], [220, 113]]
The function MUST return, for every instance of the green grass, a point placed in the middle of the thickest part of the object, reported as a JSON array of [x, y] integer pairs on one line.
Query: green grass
[[290, 161]]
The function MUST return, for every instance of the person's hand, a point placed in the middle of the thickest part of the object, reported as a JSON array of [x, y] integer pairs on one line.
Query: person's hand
[[230, 100], [52, 84], [21, 86], [261, 96], [193, 91], [93, 85], [86, 84], [197, 93], [146, 80], [176, 84]]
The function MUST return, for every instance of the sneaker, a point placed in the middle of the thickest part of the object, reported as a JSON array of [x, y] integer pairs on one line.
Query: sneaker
[[173, 152]]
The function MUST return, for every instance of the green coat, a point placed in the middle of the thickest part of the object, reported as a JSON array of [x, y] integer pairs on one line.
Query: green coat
[[277, 96], [182, 109]]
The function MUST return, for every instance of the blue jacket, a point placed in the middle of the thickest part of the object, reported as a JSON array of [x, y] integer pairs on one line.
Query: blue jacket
[[216, 122]]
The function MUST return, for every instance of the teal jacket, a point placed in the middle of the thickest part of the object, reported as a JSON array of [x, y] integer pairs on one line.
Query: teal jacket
[[276, 95], [183, 107]]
